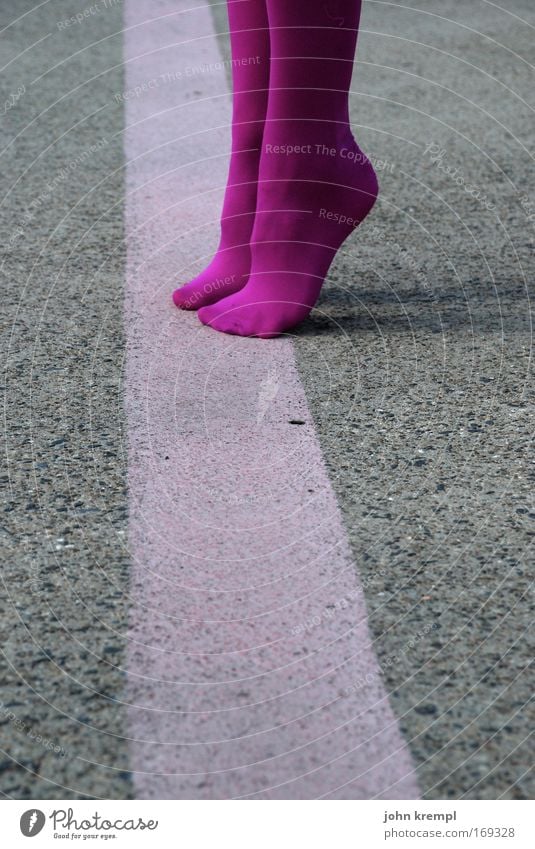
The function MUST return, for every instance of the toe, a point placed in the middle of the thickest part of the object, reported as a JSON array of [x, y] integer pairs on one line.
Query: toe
[[225, 321], [238, 319], [183, 299], [206, 314]]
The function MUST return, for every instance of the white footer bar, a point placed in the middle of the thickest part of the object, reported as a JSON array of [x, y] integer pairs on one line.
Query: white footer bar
[[269, 825]]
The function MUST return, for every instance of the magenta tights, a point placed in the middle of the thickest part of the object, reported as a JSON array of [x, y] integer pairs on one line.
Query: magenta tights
[[298, 183]]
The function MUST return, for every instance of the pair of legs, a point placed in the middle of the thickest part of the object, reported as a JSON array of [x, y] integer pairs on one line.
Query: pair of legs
[[298, 183]]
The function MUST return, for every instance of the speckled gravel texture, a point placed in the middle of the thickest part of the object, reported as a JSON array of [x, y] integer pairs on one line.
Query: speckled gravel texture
[[64, 597], [416, 365]]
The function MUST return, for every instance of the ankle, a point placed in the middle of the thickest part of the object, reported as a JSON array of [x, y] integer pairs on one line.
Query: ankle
[[318, 159]]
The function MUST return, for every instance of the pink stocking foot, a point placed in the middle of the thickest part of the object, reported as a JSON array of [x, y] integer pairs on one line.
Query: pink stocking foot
[[301, 223], [229, 270]]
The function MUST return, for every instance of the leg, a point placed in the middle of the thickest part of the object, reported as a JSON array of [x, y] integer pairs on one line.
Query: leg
[[315, 184], [230, 267]]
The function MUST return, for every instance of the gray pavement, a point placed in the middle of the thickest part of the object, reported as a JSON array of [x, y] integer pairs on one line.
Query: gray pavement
[[64, 596], [416, 365]]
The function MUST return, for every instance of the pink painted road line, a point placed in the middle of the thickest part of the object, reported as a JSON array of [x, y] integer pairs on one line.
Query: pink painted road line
[[251, 670]]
